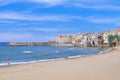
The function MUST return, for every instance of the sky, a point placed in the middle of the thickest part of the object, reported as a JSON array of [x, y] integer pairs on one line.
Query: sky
[[43, 20]]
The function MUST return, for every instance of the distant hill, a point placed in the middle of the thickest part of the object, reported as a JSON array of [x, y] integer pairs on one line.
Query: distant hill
[[4, 43]]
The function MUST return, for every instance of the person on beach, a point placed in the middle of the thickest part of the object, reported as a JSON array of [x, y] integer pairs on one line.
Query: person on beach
[[8, 62]]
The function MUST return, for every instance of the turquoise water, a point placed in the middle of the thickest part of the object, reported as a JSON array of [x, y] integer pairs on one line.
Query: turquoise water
[[30, 54]]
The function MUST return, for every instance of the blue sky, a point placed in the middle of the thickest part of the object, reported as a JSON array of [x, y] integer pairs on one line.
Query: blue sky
[[42, 20]]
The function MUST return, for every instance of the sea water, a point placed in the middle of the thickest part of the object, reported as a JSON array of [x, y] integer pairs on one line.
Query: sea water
[[32, 54]]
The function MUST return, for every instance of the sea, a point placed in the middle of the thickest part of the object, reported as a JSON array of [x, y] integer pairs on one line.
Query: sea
[[33, 54]]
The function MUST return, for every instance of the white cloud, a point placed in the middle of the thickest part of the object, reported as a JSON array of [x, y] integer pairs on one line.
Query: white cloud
[[24, 37], [103, 7], [43, 29], [47, 2], [9, 17], [14, 36], [36, 29], [98, 4], [5, 2], [103, 20], [91, 4], [50, 2], [18, 16], [7, 21]]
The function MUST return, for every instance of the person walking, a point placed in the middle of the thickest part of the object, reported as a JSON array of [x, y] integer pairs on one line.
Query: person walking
[[8, 62]]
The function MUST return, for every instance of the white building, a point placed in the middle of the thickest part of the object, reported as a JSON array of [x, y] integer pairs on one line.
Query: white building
[[65, 39]]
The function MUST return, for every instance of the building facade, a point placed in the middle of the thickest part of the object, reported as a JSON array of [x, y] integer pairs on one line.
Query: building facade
[[65, 39]]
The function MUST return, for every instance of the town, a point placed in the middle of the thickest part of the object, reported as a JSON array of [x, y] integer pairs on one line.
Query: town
[[99, 39], [104, 39]]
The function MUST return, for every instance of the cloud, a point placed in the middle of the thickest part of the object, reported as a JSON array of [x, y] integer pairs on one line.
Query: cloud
[[97, 4], [28, 17], [14, 36], [98, 7], [49, 2], [89, 4], [12, 17], [29, 30], [104, 20], [44, 29], [5, 2], [46, 2], [7, 21], [28, 37], [37, 29]]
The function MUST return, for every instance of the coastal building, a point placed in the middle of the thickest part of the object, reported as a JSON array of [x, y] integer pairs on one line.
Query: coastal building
[[78, 39], [107, 33], [105, 37], [84, 41], [118, 32], [65, 39], [87, 39], [94, 39]]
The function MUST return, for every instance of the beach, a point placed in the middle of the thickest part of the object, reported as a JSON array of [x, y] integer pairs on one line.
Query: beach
[[96, 67]]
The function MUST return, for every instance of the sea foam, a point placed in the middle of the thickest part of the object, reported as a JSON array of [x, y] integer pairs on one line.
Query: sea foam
[[27, 51]]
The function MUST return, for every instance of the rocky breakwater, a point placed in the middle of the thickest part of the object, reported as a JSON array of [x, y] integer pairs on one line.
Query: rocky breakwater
[[29, 44]]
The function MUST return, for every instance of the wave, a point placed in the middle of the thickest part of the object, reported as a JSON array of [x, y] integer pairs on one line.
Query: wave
[[27, 51], [29, 62], [46, 60], [105, 51], [56, 51], [101, 52], [3, 64], [78, 56], [70, 48]]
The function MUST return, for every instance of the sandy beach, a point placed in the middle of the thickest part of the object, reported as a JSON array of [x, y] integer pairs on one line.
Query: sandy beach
[[97, 67]]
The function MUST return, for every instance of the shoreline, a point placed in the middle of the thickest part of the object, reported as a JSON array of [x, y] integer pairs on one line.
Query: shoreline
[[2, 65], [107, 50], [97, 67]]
